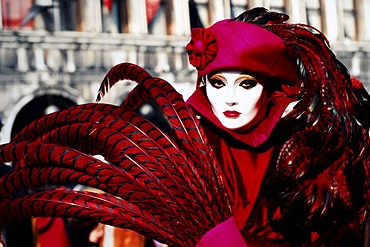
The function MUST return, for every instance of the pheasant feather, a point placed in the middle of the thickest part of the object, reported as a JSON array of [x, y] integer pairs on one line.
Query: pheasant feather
[[107, 209], [164, 185]]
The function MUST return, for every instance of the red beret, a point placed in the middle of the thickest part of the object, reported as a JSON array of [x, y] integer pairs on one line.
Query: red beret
[[236, 45]]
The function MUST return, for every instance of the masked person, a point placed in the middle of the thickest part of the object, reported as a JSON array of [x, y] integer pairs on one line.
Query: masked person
[[270, 150], [282, 116]]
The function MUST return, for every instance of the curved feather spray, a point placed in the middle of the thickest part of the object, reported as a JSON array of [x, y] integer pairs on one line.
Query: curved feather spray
[[186, 129], [106, 208], [167, 182]]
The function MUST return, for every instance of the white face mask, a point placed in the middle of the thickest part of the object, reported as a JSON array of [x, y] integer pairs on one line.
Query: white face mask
[[234, 97]]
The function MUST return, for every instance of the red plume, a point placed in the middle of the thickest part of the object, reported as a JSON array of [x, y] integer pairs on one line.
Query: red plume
[[164, 185]]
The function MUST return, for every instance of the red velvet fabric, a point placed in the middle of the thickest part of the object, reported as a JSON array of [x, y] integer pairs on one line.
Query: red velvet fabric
[[225, 234], [245, 171], [243, 161]]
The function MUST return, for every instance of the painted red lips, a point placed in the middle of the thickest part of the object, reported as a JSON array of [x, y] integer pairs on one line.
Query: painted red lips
[[232, 114]]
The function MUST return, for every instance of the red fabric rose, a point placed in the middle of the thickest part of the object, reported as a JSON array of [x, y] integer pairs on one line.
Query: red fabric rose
[[202, 48]]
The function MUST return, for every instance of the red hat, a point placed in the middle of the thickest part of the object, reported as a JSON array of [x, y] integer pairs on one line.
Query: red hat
[[236, 45]]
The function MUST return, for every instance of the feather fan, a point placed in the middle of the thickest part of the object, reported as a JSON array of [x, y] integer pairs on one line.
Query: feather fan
[[163, 185]]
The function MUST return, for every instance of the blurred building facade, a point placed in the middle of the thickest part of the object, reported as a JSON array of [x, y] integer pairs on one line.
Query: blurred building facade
[[54, 53]]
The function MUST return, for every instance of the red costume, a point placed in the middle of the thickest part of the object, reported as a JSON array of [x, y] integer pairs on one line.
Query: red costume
[[297, 179], [288, 178]]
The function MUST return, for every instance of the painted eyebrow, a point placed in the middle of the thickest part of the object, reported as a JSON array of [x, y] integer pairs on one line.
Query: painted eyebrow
[[243, 77], [219, 74], [246, 76]]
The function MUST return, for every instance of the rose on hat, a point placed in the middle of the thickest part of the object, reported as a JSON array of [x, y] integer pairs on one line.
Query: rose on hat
[[202, 48]]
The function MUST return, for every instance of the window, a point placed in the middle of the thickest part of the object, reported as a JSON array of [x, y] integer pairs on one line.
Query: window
[[195, 20], [14, 11], [202, 8], [238, 7], [128, 16], [313, 11], [349, 19], [68, 15], [158, 17], [115, 18], [277, 5], [167, 17]]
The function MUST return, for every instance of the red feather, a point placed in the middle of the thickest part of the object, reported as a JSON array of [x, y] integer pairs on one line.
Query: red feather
[[107, 209], [167, 182]]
